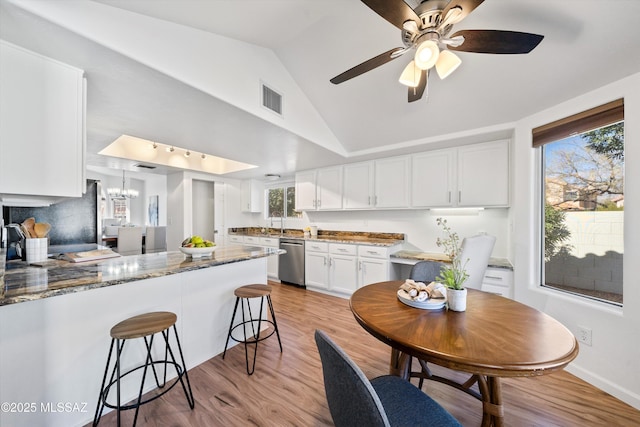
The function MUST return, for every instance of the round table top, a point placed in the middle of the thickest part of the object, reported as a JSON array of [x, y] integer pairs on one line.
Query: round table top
[[494, 336]]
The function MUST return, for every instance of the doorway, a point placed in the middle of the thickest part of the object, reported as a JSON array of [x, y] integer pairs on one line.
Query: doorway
[[203, 208]]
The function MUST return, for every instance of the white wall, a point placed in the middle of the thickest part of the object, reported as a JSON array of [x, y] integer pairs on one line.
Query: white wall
[[611, 363]]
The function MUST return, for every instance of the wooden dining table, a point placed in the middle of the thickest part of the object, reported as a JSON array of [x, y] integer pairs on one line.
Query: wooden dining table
[[495, 337]]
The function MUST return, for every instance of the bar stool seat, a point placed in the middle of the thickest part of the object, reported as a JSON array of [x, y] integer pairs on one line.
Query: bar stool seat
[[143, 326], [243, 295]]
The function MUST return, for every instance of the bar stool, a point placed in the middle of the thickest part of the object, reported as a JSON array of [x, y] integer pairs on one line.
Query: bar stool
[[243, 295], [143, 326]]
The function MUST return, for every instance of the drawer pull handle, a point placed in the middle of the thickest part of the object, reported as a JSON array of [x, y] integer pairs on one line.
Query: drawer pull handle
[[372, 252], [494, 277]]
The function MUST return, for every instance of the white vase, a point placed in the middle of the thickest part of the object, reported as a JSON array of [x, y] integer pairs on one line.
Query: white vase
[[457, 299]]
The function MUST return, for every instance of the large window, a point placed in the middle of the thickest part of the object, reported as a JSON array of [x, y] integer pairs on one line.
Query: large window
[[281, 202], [583, 203]]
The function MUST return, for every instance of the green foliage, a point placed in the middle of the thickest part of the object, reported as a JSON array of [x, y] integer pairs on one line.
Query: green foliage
[[555, 232], [454, 275], [608, 141]]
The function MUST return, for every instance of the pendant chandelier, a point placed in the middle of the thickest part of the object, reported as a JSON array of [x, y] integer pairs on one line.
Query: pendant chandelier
[[122, 193]]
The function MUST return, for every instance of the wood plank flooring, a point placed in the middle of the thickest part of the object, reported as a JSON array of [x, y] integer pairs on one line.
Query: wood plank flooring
[[287, 388]]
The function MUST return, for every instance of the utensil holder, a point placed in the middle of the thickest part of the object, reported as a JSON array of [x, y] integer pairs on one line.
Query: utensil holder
[[36, 249]]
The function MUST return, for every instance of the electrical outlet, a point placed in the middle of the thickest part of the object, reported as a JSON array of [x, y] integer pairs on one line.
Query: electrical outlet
[[584, 335]]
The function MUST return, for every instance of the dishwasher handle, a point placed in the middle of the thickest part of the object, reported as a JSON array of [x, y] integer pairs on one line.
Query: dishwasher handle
[[291, 244]]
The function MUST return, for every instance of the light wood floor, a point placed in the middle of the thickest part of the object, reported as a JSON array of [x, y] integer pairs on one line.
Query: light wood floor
[[287, 389]]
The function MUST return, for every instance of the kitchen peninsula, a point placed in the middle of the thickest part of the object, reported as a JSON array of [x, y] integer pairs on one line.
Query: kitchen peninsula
[[56, 320]]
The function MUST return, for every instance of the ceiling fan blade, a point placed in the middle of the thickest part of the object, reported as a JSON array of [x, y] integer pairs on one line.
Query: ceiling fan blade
[[467, 7], [497, 41], [369, 65], [394, 11], [415, 93]]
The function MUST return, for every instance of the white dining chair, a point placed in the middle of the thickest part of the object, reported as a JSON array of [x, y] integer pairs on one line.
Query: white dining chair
[[129, 241], [155, 239], [475, 254]]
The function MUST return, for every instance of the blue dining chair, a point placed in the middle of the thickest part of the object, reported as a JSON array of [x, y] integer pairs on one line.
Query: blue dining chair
[[425, 271], [384, 401]]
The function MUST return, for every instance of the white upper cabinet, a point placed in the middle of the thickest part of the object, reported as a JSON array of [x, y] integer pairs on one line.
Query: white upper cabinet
[[392, 182], [377, 184], [306, 190], [42, 133], [329, 188], [432, 179], [483, 174], [251, 193], [358, 186], [319, 189], [470, 176]]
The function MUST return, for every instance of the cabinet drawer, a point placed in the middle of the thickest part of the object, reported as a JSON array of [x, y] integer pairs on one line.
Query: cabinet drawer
[[496, 289], [338, 248], [373, 251], [235, 239], [317, 247], [252, 239], [270, 241], [498, 276]]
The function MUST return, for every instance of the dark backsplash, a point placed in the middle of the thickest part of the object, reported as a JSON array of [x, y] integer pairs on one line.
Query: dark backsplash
[[72, 220]]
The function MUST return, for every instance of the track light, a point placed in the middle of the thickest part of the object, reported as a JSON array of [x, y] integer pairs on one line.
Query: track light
[[187, 154], [170, 149], [204, 156], [155, 145]]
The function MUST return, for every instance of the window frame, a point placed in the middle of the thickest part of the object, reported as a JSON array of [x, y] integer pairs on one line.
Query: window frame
[[602, 116], [284, 186]]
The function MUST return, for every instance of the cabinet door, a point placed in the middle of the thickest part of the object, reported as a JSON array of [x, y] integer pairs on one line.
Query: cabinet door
[[42, 116], [329, 188], [372, 270], [432, 179], [306, 190], [483, 174], [316, 269], [392, 182], [251, 196], [343, 274], [358, 186]]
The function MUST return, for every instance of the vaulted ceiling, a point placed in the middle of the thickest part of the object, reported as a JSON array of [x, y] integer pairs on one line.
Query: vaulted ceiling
[[188, 73]]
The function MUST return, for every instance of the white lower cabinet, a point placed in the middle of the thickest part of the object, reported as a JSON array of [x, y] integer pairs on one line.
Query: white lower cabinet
[[343, 267], [273, 260], [316, 265], [373, 265], [498, 281]]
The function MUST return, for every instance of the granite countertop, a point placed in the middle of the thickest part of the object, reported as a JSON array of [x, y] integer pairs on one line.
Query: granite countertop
[[433, 256], [362, 238], [23, 282]]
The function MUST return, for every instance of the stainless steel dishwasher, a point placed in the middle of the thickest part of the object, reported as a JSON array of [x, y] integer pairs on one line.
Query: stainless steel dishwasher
[[291, 267]]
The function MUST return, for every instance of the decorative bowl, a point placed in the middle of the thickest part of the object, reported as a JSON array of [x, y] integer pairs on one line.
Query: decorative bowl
[[197, 252]]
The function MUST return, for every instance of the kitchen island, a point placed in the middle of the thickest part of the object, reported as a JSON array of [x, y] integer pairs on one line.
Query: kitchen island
[[55, 322]]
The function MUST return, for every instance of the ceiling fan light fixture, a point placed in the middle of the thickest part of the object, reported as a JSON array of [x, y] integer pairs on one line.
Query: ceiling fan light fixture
[[427, 54], [411, 75], [447, 63]]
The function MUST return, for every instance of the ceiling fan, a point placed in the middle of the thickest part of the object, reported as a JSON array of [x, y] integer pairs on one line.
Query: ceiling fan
[[426, 29]]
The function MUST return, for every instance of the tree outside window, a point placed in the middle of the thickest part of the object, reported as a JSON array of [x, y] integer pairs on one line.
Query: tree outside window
[[280, 206], [584, 213]]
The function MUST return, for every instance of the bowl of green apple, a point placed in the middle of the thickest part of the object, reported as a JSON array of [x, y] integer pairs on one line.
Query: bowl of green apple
[[196, 247]]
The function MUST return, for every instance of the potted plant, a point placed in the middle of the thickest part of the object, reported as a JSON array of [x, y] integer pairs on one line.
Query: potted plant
[[453, 275]]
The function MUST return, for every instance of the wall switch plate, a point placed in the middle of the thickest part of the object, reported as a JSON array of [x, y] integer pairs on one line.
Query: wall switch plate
[[584, 335]]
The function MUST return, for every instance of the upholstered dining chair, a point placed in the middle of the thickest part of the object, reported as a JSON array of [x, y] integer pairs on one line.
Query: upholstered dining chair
[[384, 401], [425, 271], [129, 241], [475, 254], [155, 239]]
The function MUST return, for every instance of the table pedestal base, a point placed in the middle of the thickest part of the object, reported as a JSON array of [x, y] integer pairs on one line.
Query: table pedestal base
[[490, 387]]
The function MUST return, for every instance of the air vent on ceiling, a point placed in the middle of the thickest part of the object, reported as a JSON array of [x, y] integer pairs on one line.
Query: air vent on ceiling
[[140, 165], [271, 99]]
